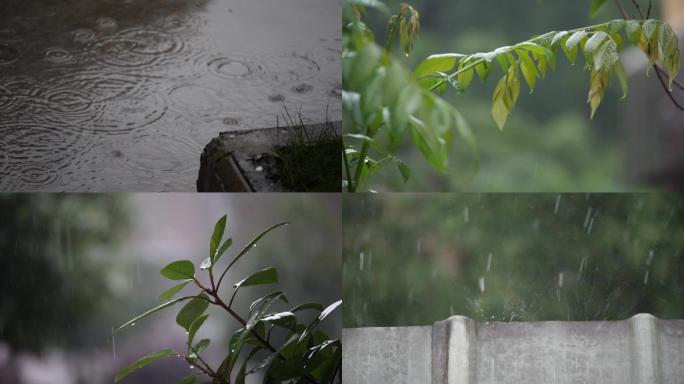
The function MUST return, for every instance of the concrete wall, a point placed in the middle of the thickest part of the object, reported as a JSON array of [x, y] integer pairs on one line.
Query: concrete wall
[[640, 350]]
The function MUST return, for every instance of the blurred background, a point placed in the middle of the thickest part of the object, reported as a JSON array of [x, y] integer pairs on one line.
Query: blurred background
[[549, 143], [415, 259], [76, 266]]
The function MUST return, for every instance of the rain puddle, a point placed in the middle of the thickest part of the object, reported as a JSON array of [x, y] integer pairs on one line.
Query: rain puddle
[[114, 95]]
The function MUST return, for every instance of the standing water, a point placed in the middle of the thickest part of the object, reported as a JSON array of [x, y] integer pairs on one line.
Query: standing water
[[108, 95]]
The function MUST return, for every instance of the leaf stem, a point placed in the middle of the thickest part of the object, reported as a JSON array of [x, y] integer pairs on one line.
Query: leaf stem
[[350, 184], [360, 162]]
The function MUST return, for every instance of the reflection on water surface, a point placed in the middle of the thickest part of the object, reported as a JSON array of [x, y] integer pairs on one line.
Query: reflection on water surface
[[123, 95]]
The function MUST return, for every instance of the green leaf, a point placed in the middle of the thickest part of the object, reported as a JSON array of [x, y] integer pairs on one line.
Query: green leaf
[[437, 63], [466, 77], [195, 326], [216, 237], [179, 270], [282, 319], [191, 311], [606, 56], [253, 243], [307, 306], [599, 83], [596, 7], [574, 39], [152, 357], [224, 247], [327, 311], [528, 69], [669, 44], [169, 293], [190, 379], [622, 77], [594, 42], [199, 347], [505, 96], [633, 31], [403, 169], [151, 311], [482, 70], [264, 276]]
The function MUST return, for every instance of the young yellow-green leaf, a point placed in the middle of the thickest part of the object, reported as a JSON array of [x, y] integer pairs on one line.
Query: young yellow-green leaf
[[465, 77], [606, 56], [264, 276], [195, 326], [596, 7], [152, 357], [599, 83], [179, 270], [594, 42], [216, 237], [437, 63], [528, 68], [169, 293], [151, 311], [633, 31], [191, 311], [575, 39], [621, 74], [669, 44], [482, 70], [505, 96]]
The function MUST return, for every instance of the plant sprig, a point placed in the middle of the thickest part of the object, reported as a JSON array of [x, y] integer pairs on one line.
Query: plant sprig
[[307, 355]]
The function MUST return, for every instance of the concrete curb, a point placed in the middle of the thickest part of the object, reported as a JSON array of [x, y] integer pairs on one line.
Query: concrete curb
[[225, 164], [459, 350]]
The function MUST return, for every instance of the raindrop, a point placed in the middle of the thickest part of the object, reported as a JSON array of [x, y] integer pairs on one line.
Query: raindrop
[[361, 255], [646, 278], [649, 258], [587, 217], [482, 284], [560, 280], [419, 246], [451, 310], [192, 367], [555, 208], [489, 262], [466, 215], [591, 223], [259, 168], [113, 345]]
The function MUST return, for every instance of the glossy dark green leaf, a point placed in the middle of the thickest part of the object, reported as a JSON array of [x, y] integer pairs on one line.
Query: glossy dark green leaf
[[200, 347], [179, 270], [195, 326], [252, 244], [327, 311], [224, 247], [282, 319], [308, 306], [151, 311], [216, 237], [152, 357], [264, 276], [169, 293], [191, 311]]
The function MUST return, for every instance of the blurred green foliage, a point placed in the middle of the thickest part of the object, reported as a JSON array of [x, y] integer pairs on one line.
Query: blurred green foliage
[[415, 259], [549, 144], [51, 247]]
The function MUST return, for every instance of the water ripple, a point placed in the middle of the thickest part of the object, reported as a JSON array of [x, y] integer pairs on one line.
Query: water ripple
[[58, 55], [8, 54]]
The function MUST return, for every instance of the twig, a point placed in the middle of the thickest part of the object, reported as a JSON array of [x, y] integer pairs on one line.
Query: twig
[[638, 7], [623, 11], [669, 93]]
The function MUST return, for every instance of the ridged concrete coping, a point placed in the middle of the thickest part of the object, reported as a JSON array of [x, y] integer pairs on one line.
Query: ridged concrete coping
[[459, 350]]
